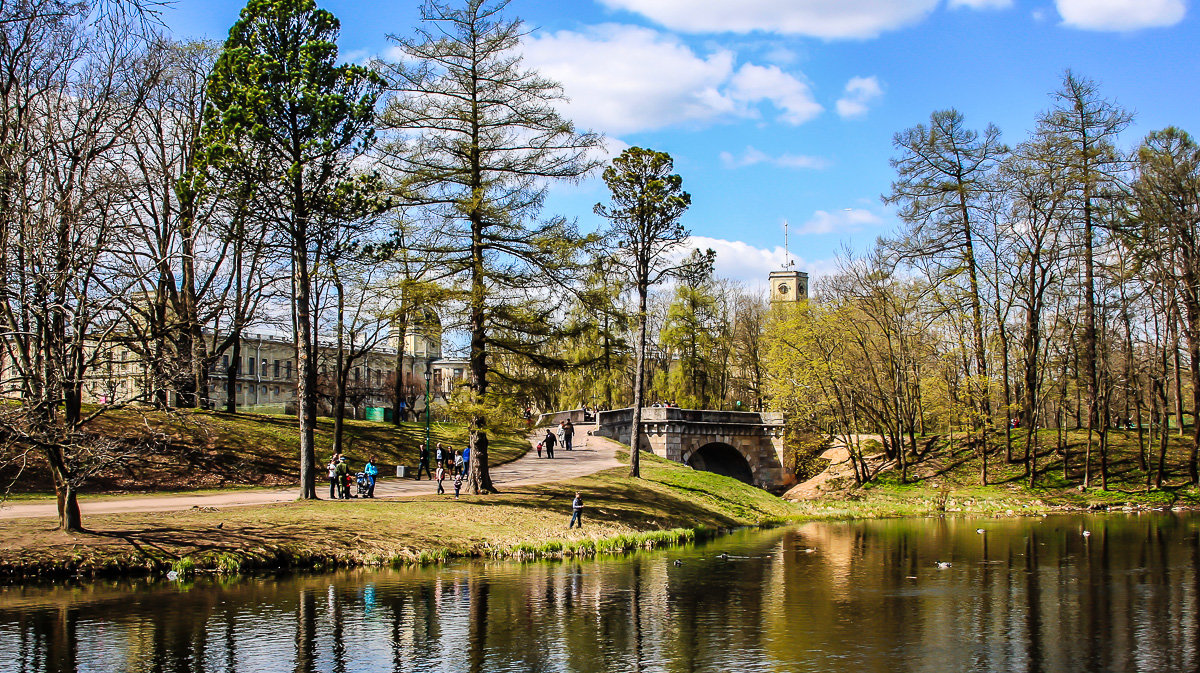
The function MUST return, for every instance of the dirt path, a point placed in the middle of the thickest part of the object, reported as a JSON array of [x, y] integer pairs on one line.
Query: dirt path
[[839, 466], [591, 454]]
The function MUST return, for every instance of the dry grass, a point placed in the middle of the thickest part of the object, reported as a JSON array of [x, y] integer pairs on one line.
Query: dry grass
[[666, 506]]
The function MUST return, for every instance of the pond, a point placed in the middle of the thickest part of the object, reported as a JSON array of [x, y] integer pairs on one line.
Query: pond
[[1026, 594]]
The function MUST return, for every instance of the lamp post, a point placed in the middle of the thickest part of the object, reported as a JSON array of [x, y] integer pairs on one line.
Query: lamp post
[[428, 376]]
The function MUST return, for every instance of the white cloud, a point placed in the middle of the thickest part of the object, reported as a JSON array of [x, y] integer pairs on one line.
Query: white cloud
[[843, 221], [1120, 15], [857, 96], [752, 156], [982, 4], [754, 83], [751, 265], [828, 19], [623, 79]]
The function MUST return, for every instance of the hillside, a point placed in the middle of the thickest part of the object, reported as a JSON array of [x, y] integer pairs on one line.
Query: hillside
[[946, 477], [186, 450]]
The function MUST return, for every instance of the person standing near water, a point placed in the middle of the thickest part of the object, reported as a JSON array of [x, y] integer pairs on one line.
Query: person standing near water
[[576, 511]]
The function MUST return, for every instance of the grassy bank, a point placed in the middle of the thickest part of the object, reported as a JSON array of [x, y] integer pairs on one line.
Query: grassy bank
[[189, 450], [946, 479], [671, 504]]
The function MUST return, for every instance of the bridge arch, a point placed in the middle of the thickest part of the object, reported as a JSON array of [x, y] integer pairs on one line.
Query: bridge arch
[[726, 442], [722, 459]]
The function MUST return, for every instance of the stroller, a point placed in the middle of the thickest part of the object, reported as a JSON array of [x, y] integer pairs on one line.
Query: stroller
[[364, 485]]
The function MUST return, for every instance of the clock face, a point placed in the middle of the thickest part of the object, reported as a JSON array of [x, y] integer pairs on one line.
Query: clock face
[[783, 288]]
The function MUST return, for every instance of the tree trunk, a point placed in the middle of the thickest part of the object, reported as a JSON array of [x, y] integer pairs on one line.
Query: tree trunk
[[639, 378], [306, 393], [398, 399], [479, 478], [69, 518], [232, 372], [343, 370]]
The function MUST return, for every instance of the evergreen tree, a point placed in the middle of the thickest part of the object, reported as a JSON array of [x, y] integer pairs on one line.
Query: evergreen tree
[[278, 98], [477, 139], [647, 201]]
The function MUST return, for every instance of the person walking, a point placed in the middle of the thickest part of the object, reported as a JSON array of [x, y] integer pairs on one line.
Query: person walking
[[343, 476], [576, 511], [441, 474], [549, 441], [568, 432], [466, 458], [333, 478], [439, 455], [424, 463], [457, 484], [371, 472], [459, 463]]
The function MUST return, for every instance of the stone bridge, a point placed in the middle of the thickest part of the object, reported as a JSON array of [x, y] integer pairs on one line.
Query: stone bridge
[[746, 445]]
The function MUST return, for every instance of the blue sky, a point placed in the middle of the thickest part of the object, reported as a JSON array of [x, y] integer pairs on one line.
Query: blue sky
[[785, 109]]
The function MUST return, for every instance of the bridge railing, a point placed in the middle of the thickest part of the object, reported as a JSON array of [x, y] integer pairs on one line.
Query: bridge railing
[[576, 416], [624, 417]]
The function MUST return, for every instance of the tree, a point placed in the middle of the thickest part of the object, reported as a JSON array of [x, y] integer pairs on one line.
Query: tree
[[942, 179], [691, 331], [1037, 190], [1081, 129], [1167, 202], [71, 85], [277, 96], [477, 140], [646, 203]]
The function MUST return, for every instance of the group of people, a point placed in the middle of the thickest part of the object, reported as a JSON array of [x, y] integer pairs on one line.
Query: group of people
[[341, 478], [566, 433], [447, 463]]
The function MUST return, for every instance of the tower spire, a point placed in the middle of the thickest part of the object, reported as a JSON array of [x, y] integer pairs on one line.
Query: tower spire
[[787, 255]]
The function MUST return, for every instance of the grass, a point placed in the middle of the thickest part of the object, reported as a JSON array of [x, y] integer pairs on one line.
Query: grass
[[946, 480], [199, 450], [672, 504]]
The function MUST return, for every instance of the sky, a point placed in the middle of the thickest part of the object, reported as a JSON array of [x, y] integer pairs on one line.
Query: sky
[[785, 110]]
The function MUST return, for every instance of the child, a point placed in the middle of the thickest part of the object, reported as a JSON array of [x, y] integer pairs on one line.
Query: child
[[441, 474], [457, 484], [539, 447]]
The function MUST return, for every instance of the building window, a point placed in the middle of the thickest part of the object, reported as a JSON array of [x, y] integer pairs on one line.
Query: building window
[[277, 369], [250, 366], [225, 362], [288, 370], [276, 390], [263, 389], [263, 369]]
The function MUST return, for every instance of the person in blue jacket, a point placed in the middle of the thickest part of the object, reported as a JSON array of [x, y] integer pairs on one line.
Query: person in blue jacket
[[466, 456], [371, 472]]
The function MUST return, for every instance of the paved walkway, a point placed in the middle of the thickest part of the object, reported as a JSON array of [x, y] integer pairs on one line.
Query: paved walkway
[[591, 454]]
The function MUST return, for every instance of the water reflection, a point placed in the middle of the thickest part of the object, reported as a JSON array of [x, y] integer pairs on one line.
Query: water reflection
[[1023, 595]]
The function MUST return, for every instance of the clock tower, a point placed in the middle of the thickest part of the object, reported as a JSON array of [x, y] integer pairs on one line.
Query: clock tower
[[788, 287]]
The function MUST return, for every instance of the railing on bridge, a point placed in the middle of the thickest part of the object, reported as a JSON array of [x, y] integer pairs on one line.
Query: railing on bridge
[[623, 417]]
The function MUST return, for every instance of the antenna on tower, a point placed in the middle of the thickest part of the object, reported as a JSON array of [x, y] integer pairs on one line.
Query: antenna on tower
[[787, 256]]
